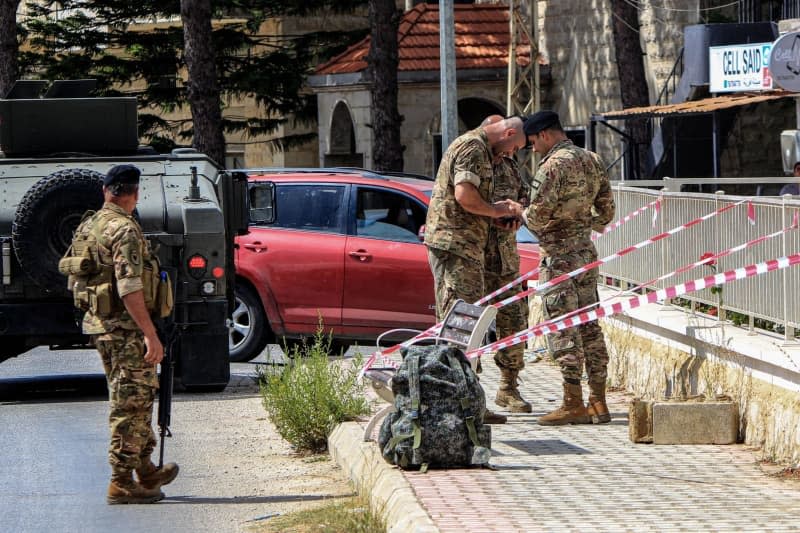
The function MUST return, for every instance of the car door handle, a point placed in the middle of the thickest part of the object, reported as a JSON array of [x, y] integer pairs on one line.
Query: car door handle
[[361, 255], [257, 247]]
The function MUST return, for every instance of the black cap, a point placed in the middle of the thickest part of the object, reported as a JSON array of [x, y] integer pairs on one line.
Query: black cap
[[122, 174], [541, 120]]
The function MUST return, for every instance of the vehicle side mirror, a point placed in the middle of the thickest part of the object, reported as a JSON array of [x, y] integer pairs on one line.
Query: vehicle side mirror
[[232, 192], [421, 233], [262, 202]]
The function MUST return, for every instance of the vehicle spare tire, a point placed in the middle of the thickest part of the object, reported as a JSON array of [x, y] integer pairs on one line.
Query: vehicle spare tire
[[46, 218]]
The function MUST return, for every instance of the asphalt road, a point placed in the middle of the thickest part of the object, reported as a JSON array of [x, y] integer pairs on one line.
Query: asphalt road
[[54, 470]]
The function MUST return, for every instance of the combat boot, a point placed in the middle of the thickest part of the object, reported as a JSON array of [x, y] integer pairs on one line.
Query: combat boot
[[508, 394], [597, 407], [490, 417], [151, 477], [572, 410], [123, 489]]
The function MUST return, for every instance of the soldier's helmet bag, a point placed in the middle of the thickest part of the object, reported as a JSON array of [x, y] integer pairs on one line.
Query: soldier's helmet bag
[[439, 409]]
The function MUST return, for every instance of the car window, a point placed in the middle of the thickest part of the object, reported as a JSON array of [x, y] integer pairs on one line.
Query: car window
[[310, 207], [525, 235], [388, 215]]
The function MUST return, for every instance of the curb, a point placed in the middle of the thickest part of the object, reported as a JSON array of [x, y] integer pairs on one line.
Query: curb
[[389, 493]]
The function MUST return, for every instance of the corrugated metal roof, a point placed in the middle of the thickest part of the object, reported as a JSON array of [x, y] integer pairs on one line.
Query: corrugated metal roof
[[481, 40], [694, 107]]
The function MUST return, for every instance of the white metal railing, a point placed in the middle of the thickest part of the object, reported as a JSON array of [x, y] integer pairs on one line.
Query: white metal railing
[[770, 296]]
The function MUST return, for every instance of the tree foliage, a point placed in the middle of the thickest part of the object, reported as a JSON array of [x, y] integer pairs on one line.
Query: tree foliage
[[137, 49]]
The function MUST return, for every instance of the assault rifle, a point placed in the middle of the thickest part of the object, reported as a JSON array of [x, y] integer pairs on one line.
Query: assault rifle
[[169, 331]]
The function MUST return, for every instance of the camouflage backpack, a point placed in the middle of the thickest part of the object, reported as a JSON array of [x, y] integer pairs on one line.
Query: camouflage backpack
[[439, 407]]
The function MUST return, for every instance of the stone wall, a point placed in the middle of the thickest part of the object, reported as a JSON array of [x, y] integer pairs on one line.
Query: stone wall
[[753, 145], [577, 41], [769, 413], [419, 106]]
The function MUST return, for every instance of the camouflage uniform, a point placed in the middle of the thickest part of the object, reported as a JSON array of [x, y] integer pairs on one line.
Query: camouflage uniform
[[570, 196], [456, 239], [132, 382], [502, 264]]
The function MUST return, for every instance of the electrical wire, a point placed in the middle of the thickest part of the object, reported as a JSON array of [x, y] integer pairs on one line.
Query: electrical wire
[[663, 8]]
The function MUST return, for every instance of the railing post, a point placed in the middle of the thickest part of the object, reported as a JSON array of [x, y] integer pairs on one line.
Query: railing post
[[720, 310], [664, 244], [788, 331]]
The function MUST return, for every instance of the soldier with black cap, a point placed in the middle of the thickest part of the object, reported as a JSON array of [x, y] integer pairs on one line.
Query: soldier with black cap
[[120, 324], [570, 197]]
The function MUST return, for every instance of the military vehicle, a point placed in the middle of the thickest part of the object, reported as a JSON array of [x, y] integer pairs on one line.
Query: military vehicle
[[56, 148]]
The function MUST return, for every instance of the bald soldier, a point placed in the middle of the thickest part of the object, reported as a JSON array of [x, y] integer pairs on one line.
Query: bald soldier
[[462, 210], [570, 197], [502, 267]]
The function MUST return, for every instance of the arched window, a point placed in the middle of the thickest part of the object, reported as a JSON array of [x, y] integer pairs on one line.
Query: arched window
[[342, 146]]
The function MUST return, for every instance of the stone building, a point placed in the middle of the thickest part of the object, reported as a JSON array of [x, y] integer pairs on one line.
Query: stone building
[[343, 95]]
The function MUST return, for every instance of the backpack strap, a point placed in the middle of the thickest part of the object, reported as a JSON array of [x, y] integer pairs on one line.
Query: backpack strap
[[413, 385], [413, 389], [469, 416]]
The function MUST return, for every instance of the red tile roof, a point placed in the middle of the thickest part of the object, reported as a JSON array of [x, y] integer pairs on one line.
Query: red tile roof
[[481, 35]]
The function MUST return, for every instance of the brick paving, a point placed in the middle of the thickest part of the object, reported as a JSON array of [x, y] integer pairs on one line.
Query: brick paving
[[593, 478]]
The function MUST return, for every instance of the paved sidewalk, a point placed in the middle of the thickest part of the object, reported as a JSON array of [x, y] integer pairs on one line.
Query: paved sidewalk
[[592, 478]]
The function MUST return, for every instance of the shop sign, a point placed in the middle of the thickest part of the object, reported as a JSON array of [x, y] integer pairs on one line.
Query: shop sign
[[739, 67]]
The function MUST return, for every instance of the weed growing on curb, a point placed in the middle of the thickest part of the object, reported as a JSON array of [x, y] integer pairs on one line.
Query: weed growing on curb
[[309, 396], [351, 515]]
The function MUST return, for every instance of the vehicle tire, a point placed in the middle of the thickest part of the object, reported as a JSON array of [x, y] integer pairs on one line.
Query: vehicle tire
[[12, 346], [249, 329], [46, 218]]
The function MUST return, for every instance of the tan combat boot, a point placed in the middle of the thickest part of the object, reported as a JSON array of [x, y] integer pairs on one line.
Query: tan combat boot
[[123, 489], [151, 477], [490, 417], [572, 410], [597, 407], [508, 394]]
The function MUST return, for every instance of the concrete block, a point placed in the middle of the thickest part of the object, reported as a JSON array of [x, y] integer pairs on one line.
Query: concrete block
[[640, 420], [695, 422]]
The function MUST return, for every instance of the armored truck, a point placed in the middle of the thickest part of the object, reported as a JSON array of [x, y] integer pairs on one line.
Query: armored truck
[[56, 149]]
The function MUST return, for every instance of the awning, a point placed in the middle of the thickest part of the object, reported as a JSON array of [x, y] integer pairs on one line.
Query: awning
[[695, 107]]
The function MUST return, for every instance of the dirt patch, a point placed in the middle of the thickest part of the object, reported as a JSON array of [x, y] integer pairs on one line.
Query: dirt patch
[[229, 452]]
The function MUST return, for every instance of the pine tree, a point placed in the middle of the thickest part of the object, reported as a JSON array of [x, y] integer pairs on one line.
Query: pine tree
[[8, 44], [137, 49], [387, 151]]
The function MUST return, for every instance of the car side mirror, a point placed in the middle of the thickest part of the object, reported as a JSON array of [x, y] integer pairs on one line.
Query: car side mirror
[[421, 233], [262, 202]]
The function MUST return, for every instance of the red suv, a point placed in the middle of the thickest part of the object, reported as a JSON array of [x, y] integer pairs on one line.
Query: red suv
[[343, 246]]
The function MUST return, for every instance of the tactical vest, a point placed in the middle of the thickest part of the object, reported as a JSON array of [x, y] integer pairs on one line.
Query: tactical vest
[[90, 275]]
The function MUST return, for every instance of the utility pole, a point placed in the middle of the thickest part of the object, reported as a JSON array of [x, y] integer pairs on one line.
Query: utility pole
[[523, 80], [447, 73]]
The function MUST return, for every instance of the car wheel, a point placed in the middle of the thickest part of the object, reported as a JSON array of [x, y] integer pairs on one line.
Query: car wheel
[[249, 329], [12, 347]]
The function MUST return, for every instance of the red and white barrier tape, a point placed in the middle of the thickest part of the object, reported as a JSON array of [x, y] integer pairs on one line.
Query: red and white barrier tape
[[433, 330], [637, 301], [625, 251], [708, 259], [626, 218]]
